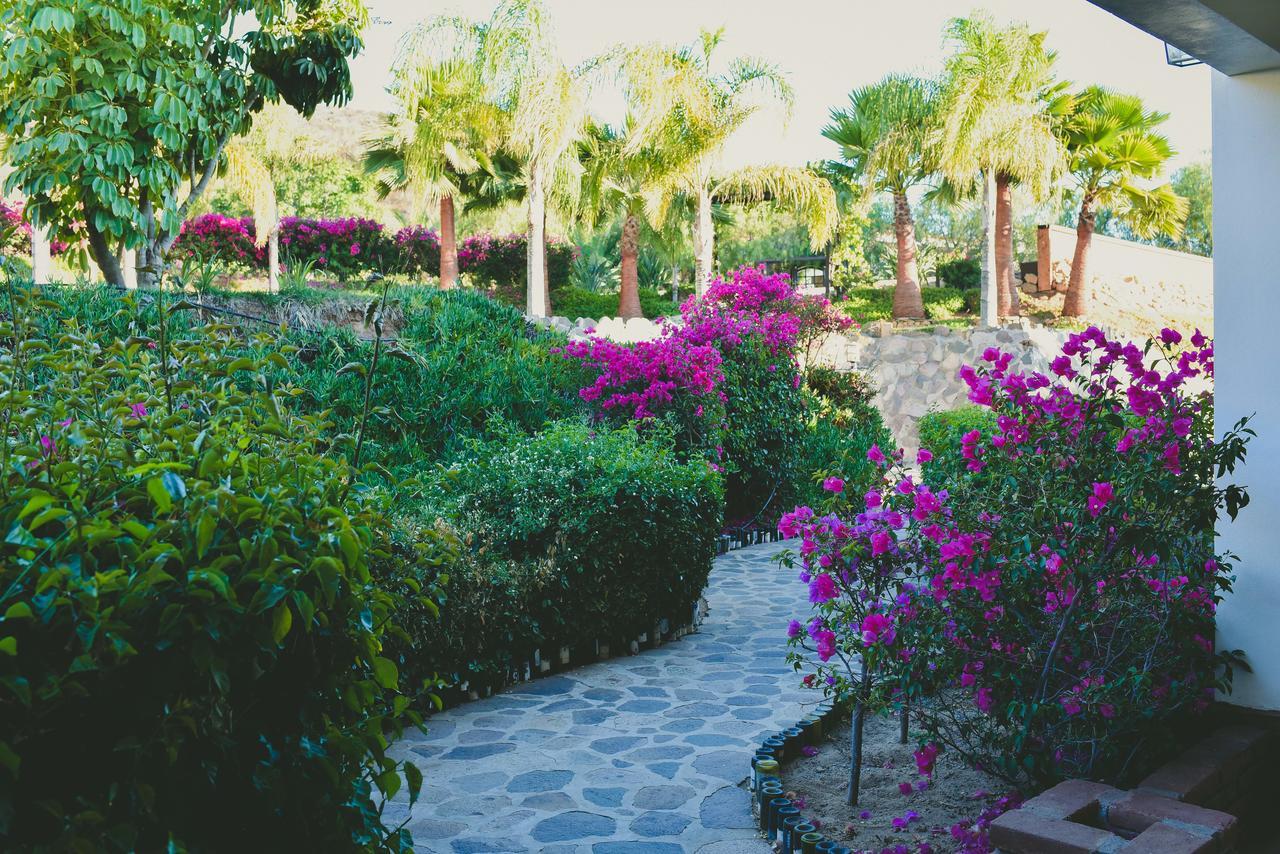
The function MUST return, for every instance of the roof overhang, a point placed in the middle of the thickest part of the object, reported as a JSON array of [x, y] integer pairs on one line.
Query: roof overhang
[[1233, 36]]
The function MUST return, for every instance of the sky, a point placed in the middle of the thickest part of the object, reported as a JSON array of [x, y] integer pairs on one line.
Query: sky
[[827, 48]]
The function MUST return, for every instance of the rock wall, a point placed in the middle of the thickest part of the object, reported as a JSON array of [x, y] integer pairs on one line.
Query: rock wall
[[915, 372]]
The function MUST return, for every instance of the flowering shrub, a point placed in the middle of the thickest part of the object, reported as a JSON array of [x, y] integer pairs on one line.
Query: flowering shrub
[[1058, 611], [15, 232], [416, 252], [346, 248], [214, 237], [494, 260]]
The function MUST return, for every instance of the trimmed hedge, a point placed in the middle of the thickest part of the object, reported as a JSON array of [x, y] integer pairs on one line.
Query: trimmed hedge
[[577, 534], [573, 303]]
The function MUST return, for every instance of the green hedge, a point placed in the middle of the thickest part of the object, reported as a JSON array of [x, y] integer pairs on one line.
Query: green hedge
[[577, 302], [868, 305], [576, 535]]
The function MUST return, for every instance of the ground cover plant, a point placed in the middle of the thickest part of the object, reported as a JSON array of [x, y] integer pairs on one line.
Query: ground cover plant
[[1053, 618]]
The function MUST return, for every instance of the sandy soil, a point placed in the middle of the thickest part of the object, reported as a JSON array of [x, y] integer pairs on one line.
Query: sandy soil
[[956, 793]]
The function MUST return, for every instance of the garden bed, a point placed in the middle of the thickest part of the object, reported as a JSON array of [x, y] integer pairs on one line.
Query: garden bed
[[955, 796]]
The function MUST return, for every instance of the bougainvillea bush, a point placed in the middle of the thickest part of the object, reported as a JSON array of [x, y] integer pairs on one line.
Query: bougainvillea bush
[[192, 641], [1053, 618], [491, 259], [725, 377], [227, 240]]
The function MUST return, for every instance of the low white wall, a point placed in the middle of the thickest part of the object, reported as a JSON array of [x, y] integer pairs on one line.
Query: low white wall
[[613, 328], [1246, 184]]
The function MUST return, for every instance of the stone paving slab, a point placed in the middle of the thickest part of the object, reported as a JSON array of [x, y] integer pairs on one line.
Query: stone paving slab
[[642, 754]]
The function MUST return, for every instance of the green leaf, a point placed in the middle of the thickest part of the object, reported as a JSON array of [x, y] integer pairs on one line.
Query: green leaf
[[9, 646], [205, 526], [385, 672], [159, 495], [414, 778], [18, 611], [281, 622], [174, 485], [36, 502]]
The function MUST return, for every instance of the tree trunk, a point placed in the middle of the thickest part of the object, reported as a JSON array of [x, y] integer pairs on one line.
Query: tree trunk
[[103, 255], [448, 245], [629, 292], [273, 259], [989, 301], [855, 751], [536, 294], [704, 243], [1076, 302], [675, 284], [41, 255], [1007, 302], [907, 300], [546, 271]]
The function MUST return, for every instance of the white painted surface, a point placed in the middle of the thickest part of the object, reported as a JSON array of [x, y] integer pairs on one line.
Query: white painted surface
[[1246, 233]]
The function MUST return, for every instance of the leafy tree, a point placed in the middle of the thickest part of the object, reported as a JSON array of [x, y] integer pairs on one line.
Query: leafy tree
[[121, 110], [884, 139], [1000, 106], [444, 126], [1195, 184], [1113, 144]]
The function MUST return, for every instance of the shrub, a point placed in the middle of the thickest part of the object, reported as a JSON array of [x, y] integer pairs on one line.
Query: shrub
[[840, 389], [416, 252], [867, 305], [471, 364], [214, 237], [1060, 617], [961, 273], [835, 444], [191, 648], [573, 302], [941, 433], [344, 248], [502, 261], [578, 534]]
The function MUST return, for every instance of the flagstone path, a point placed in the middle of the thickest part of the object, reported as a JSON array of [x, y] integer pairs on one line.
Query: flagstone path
[[641, 754]]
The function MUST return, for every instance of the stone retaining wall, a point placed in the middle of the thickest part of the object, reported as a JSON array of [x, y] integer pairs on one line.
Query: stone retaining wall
[[915, 372]]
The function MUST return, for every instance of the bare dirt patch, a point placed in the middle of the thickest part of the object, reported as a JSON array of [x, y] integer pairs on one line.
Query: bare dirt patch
[[956, 793]]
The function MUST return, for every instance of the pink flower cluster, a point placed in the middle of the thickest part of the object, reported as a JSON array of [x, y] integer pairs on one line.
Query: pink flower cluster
[[647, 378]]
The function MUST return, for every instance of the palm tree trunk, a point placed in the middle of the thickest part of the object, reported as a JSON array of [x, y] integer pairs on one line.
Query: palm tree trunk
[[1007, 299], [704, 243], [907, 300], [536, 294], [448, 244], [629, 292], [1076, 302], [989, 302], [273, 259], [546, 272]]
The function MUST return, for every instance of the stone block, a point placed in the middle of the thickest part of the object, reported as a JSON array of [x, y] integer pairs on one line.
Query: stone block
[[1072, 800], [1137, 811], [1024, 832], [1167, 839]]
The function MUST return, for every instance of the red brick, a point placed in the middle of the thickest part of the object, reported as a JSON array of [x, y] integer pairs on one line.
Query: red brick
[[1139, 811], [1184, 779], [1072, 800], [1167, 839], [1023, 832]]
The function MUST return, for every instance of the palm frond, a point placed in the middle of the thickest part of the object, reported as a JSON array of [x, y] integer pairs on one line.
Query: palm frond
[[800, 190]]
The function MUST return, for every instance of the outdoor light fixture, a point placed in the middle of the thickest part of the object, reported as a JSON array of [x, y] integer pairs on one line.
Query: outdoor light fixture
[[1178, 57]]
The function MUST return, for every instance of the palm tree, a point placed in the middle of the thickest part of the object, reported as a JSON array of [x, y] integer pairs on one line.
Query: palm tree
[[683, 91], [546, 102], [884, 137], [999, 110], [444, 127], [1113, 144], [634, 183]]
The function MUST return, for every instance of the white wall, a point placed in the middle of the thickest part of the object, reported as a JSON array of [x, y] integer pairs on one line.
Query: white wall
[[1246, 238]]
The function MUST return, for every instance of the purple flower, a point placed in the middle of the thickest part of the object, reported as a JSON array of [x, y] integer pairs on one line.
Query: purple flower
[[138, 410], [833, 484], [822, 588]]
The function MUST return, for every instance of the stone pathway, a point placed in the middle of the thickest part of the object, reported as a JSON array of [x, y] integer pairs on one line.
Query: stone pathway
[[636, 755]]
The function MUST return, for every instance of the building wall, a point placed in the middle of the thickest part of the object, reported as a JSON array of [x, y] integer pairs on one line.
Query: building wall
[[1246, 183]]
